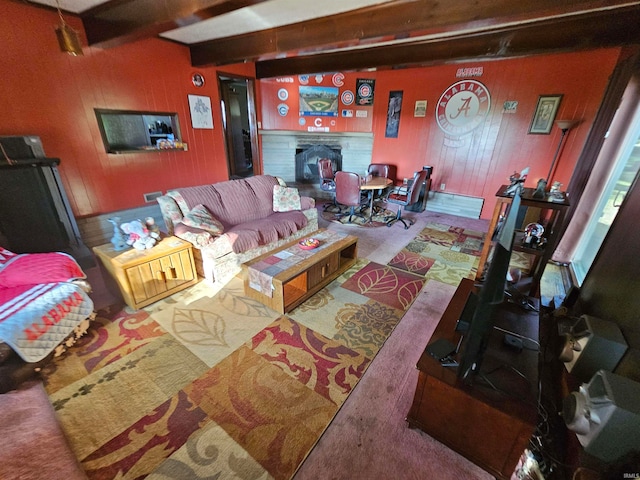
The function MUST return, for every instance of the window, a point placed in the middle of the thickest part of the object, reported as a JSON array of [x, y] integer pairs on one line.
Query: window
[[126, 131], [615, 189]]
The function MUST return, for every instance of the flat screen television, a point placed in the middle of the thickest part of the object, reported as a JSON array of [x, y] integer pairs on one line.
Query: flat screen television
[[491, 294]]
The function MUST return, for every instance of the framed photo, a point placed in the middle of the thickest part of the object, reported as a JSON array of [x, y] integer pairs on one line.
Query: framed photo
[[545, 114], [420, 108], [393, 114]]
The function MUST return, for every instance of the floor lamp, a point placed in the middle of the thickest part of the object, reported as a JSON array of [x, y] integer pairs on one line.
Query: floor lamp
[[541, 188], [563, 125]]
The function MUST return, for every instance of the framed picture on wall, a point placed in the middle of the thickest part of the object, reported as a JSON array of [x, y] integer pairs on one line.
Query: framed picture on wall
[[545, 114], [393, 114], [200, 108]]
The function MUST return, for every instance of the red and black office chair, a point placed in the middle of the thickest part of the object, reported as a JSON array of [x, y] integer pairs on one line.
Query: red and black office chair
[[348, 194], [327, 182], [403, 196]]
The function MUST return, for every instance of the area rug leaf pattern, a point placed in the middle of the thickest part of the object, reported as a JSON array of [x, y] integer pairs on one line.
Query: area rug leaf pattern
[[442, 252], [220, 386], [199, 326]]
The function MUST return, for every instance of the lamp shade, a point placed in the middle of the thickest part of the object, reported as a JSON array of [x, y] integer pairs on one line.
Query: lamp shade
[[565, 124]]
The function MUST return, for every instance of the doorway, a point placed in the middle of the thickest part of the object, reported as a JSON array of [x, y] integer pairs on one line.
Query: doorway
[[239, 123]]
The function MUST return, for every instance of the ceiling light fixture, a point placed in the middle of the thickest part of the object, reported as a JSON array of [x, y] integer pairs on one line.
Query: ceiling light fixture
[[67, 37]]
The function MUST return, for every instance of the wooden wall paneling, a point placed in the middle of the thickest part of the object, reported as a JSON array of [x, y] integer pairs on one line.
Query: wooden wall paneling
[[501, 145], [52, 94], [55, 94]]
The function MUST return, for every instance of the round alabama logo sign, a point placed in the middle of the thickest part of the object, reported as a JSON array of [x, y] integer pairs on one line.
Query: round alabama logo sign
[[462, 108]]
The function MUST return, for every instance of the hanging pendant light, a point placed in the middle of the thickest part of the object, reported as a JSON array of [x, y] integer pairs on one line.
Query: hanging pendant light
[[67, 37]]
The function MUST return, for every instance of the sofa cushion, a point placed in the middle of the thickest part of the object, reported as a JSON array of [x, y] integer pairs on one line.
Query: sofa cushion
[[285, 199], [180, 201], [233, 202], [200, 217], [247, 236]]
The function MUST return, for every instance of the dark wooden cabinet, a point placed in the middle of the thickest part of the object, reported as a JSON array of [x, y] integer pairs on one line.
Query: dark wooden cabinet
[[490, 421]]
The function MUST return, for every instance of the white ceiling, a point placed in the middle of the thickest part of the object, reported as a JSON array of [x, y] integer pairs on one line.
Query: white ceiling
[[262, 16], [271, 14]]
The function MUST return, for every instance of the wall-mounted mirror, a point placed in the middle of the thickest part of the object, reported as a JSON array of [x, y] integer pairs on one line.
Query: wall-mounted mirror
[[127, 131]]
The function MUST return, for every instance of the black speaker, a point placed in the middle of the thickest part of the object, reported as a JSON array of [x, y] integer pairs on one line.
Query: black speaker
[[605, 416], [592, 344]]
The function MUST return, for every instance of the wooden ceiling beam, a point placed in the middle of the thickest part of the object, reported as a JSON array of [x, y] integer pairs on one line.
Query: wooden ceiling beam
[[590, 31], [394, 18], [122, 21]]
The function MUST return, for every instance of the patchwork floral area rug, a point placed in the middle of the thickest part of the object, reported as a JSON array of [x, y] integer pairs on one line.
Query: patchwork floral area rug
[[448, 254], [220, 386], [442, 252]]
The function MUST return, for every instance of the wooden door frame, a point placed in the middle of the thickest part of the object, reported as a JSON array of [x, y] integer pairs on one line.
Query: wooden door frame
[[252, 115]]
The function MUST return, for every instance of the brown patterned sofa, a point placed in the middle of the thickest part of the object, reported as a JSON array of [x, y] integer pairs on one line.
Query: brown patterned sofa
[[240, 222]]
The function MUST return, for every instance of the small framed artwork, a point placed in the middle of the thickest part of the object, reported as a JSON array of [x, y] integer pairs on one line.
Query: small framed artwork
[[545, 114], [420, 108], [200, 108], [393, 114], [197, 79]]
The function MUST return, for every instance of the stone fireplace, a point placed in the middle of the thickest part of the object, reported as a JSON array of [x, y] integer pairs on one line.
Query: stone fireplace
[[293, 156], [307, 161]]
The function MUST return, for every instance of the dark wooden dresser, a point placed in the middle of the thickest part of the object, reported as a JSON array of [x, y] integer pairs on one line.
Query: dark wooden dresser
[[491, 420]]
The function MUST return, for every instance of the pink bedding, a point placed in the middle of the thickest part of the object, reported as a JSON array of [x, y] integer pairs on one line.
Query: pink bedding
[[35, 268], [40, 305]]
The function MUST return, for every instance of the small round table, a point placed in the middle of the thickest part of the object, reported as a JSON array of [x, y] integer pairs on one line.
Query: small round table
[[375, 183]]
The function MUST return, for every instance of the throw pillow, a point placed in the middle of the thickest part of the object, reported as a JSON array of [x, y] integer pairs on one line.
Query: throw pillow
[[170, 209], [200, 217], [177, 196], [200, 238], [286, 199]]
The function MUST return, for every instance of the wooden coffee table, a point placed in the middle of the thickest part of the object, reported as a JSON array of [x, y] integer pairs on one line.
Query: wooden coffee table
[[304, 276]]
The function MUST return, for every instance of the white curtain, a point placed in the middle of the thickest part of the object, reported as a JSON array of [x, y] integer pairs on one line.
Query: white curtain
[[602, 168]]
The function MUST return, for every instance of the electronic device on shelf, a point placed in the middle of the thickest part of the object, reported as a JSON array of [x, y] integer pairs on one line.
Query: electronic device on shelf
[[605, 416], [444, 351], [491, 294], [592, 344]]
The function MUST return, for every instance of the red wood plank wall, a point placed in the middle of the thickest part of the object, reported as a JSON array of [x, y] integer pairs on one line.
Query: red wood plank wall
[[483, 160], [51, 94], [48, 93]]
